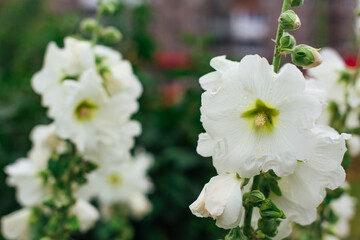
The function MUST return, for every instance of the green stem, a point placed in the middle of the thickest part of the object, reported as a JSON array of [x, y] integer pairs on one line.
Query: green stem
[[279, 34], [249, 209], [99, 13]]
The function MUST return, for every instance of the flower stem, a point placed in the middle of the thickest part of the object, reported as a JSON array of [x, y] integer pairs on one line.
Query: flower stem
[[249, 209], [279, 34], [96, 32]]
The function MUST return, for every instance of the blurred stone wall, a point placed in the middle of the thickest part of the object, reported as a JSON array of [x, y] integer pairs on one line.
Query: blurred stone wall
[[244, 26]]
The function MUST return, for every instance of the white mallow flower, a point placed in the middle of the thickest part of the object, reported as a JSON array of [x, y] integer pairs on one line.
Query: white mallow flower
[[125, 183], [328, 73], [221, 199], [88, 116], [86, 214], [255, 119], [15, 226], [45, 141], [305, 189], [116, 150], [344, 209], [60, 65], [24, 175]]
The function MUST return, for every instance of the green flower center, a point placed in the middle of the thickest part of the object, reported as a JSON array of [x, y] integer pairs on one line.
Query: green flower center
[[85, 110], [115, 179], [261, 116]]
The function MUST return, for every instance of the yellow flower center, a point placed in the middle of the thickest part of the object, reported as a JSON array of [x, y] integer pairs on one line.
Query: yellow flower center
[[115, 179], [85, 110]]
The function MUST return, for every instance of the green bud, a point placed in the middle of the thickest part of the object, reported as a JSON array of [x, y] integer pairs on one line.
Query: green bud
[[88, 25], [109, 8], [306, 56], [268, 226], [289, 20], [287, 41], [268, 209], [112, 35], [254, 198], [235, 234], [297, 3]]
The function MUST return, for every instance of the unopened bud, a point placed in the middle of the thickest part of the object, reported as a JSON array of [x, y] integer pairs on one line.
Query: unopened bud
[[289, 20], [88, 25], [306, 56], [254, 198], [297, 3], [109, 8], [287, 41], [112, 35], [268, 226], [268, 209]]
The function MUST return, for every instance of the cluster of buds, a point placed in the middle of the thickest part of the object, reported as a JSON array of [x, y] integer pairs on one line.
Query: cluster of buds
[[90, 26], [302, 55]]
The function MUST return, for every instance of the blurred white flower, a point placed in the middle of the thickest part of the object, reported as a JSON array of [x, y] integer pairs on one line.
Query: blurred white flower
[[45, 141], [124, 183], [24, 175], [88, 116], [328, 73], [344, 209], [221, 199], [86, 214], [15, 226], [255, 119], [60, 65]]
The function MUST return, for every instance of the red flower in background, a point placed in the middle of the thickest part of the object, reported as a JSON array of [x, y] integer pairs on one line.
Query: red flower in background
[[172, 59]]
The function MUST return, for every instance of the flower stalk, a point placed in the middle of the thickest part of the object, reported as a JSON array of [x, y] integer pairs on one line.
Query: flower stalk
[[96, 32], [279, 34], [249, 209]]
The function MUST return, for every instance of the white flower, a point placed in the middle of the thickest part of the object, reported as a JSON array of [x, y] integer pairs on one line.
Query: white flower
[[328, 74], [255, 119], [59, 65], [88, 115], [86, 214], [23, 175], [221, 199], [45, 141], [123, 183], [344, 209], [15, 226], [305, 189]]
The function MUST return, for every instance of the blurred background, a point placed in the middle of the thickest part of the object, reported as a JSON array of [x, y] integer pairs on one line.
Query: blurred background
[[170, 44]]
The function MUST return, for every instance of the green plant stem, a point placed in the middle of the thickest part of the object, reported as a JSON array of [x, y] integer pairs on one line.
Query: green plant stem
[[279, 34], [99, 13], [249, 209]]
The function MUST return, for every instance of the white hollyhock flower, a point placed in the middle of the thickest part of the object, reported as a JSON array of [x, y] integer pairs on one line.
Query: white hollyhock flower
[[60, 65], [117, 149], [117, 73], [305, 189], [328, 74], [344, 209], [255, 119], [354, 95], [221, 199], [330, 237], [123, 183], [24, 175], [15, 226], [45, 141], [88, 116], [86, 214]]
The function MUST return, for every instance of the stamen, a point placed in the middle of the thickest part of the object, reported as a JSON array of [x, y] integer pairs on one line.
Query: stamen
[[260, 119]]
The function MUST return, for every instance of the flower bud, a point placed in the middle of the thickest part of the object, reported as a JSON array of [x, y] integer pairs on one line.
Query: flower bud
[[254, 198], [112, 35], [88, 25], [287, 41], [297, 3], [268, 209], [289, 20], [306, 56], [109, 8], [268, 226]]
